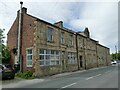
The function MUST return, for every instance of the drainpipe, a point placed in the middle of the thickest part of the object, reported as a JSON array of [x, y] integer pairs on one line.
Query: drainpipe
[[77, 50], [84, 53], [19, 37], [97, 55]]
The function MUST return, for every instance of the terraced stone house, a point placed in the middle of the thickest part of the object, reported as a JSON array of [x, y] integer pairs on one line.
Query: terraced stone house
[[52, 48]]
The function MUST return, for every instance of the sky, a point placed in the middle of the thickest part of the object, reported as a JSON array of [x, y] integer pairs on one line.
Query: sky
[[100, 16]]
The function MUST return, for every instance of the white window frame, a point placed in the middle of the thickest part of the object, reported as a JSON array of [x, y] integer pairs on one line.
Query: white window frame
[[27, 57], [53, 57], [72, 58]]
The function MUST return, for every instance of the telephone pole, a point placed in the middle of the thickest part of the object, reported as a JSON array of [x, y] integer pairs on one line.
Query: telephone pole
[[19, 37], [116, 52]]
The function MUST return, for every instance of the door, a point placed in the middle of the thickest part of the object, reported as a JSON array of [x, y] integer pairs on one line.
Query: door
[[63, 61], [81, 65]]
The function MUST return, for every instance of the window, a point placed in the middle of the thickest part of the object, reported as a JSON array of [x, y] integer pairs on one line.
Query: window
[[72, 58], [50, 34], [62, 38], [29, 57], [49, 57], [71, 40]]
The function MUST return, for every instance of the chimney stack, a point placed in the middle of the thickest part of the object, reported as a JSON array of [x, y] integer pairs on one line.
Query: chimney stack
[[86, 32], [24, 10], [59, 24]]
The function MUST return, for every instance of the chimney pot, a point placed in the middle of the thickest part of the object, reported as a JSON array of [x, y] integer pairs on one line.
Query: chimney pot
[[21, 2]]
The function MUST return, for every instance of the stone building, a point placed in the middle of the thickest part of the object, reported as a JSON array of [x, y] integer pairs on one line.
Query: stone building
[[51, 48]]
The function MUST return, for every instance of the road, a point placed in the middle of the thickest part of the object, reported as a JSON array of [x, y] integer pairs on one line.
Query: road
[[106, 77]]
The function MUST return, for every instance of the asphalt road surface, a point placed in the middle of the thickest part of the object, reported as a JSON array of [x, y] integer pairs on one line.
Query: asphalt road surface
[[106, 77], [94, 79]]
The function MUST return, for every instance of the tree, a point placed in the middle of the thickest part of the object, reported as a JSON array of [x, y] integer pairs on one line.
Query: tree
[[1, 43], [115, 56], [2, 36], [4, 52]]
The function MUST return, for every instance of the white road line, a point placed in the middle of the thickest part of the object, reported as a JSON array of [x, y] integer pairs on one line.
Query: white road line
[[69, 85], [89, 78], [93, 76]]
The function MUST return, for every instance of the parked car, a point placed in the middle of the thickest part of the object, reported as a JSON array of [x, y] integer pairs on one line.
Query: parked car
[[114, 62], [6, 71], [118, 61]]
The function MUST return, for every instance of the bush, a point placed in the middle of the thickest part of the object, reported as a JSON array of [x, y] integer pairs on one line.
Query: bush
[[25, 75]]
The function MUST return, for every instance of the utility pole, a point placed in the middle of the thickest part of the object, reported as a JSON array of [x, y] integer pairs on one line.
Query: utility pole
[[116, 52], [19, 37]]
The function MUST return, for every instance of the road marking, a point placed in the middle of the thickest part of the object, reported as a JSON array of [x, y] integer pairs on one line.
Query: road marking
[[93, 76], [69, 85]]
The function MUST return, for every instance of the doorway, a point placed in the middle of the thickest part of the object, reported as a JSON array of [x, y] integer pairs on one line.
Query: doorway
[[63, 61], [81, 65]]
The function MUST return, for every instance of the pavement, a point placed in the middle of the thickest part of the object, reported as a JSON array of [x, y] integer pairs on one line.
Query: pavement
[[18, 83], [22, 83]]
